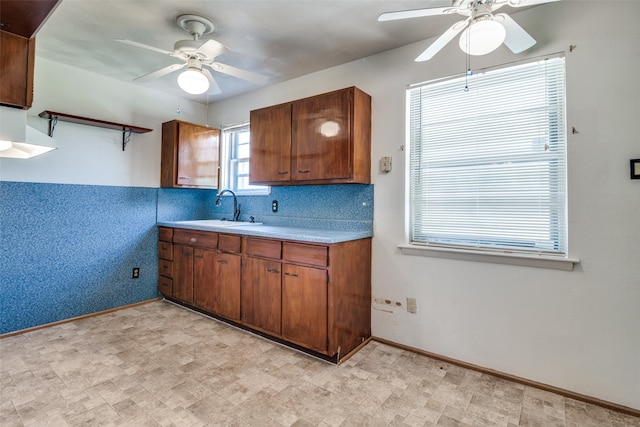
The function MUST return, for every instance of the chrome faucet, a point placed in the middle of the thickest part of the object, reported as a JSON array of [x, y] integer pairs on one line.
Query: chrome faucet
[[236, 206]]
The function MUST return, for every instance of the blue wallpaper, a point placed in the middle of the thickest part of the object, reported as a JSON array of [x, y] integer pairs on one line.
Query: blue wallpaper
[[69, 250]]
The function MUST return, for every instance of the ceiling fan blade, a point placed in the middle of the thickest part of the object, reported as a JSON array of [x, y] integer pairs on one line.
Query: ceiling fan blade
[[239, 73], [443, 40], [214, 89], [212, 48], [522, 3], [517, 39], [144, 46], [414, 13], [161, 72]]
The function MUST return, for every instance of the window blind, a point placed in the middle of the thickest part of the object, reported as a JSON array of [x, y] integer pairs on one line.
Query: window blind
[[488, 165]]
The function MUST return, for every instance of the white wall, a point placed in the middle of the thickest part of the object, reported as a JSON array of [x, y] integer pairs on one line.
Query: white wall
[[576, 330], [91, 155]]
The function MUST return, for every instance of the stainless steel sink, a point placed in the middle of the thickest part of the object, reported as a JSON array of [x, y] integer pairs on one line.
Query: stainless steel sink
[[217, 223]]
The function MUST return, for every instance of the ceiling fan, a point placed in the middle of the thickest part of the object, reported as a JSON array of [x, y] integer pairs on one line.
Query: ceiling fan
[[198, 58], [483, 32]]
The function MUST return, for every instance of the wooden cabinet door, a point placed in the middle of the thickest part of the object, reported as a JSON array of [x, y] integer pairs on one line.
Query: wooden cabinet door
[[227, 278], [261, 294], [17, 55], [198, 156], [322, 137], [304, 306], [183, 273], [204, 279], [270, 157]]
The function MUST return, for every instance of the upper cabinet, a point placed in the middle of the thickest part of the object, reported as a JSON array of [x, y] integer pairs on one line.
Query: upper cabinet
[[190, 155], [17, 55], [19, 22], [324, 139]]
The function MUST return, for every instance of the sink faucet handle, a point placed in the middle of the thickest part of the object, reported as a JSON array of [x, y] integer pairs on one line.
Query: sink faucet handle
[[252, 219]]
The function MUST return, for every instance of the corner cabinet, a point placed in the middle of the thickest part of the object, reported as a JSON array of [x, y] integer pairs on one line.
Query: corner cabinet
[[324, 139], [190, 156], [17, 55], [312, 296]]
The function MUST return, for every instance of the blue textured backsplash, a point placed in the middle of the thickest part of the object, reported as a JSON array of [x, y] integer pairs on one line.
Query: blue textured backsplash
[[69, 250]]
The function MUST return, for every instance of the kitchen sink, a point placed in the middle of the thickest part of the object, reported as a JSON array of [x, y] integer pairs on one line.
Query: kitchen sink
[[217, 223]]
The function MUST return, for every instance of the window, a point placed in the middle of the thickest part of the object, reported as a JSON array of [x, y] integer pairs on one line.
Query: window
[[235, 162], [488, 164]]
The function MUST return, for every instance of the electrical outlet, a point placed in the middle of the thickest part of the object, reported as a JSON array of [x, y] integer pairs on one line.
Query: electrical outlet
[[136, 273], [412, 306], [385, 164], [274, 206]]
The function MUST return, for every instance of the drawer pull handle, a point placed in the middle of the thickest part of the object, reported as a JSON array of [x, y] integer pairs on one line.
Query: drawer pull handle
[[283, 173], [199, 256], [222, 261], [291, 274], [271, 270], [193, 240], [304, 171], [184, 177]]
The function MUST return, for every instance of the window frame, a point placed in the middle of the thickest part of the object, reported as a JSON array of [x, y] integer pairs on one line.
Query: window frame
[[480, 252], [229, 162]]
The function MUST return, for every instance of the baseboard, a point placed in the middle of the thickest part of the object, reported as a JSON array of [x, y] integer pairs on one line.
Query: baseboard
[[85, 316], [566, 393]]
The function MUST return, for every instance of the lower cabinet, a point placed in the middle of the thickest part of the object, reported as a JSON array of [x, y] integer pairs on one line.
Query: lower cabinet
[[262, 295], [317, 296], [183, 273], [226, 285], [304, 306]]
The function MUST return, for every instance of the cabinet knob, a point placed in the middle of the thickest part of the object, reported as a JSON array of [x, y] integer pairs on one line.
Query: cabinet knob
[[193, 240], [222, 261]]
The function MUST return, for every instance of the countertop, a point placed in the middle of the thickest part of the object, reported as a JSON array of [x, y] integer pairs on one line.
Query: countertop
[[314, 235]]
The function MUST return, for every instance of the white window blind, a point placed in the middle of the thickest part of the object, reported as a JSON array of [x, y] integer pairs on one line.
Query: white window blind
[[488, 165]]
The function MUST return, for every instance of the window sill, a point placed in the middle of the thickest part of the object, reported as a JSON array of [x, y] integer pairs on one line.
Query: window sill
[[497, 258]]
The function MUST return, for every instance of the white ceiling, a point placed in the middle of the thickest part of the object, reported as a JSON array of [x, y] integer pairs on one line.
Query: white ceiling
[[281, 39]]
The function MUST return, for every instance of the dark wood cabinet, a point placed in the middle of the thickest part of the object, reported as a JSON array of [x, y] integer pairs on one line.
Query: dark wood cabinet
[[316, 296], [17, 56], [190, 155], [270, 159], [204, 279], [227, 285], [183, 273], [165, 261], [325, 139], [304, 306], [261, 294], [20, 22]]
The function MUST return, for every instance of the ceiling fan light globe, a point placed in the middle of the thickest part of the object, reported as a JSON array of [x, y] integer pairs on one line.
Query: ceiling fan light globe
[[193, 82], [482, 37]]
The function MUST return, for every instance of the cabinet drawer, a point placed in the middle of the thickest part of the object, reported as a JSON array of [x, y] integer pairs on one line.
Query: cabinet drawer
[[165, 268], [263, 248], [305, 254], [228, 243], [195, 238], [165, 285], [165, 234], [165, 250]]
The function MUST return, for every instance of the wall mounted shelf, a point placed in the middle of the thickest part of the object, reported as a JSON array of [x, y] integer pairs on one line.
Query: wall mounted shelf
[[127, 130]]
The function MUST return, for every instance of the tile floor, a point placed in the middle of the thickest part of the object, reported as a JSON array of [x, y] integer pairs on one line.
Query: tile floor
[[161, 365]]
